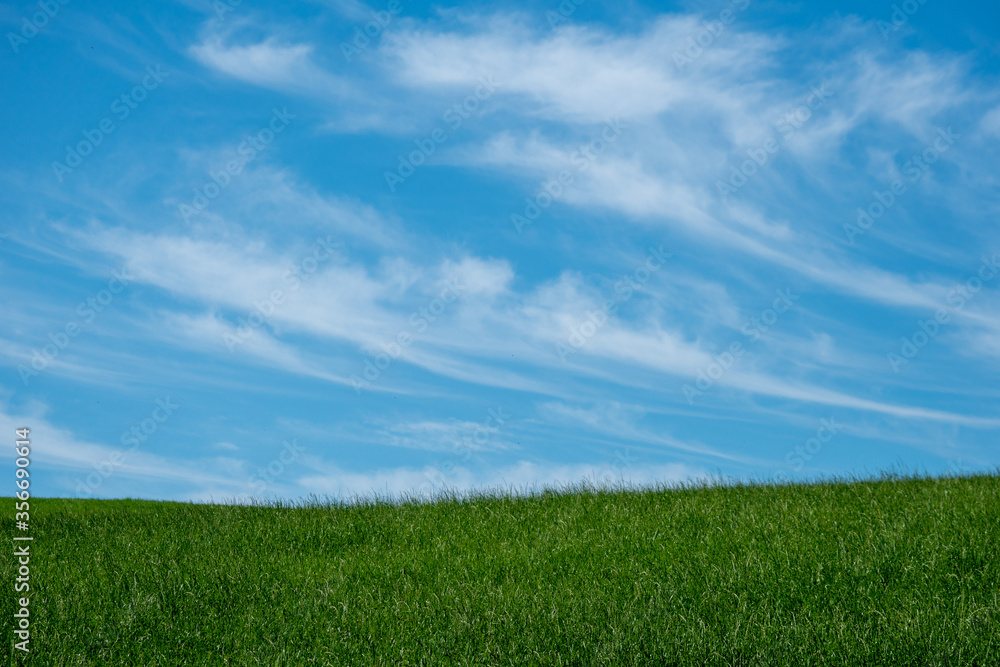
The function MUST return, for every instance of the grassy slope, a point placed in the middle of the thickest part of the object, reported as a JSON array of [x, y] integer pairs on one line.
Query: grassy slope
[[901, 572]]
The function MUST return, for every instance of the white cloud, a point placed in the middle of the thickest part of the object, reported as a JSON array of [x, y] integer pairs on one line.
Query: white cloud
[[991, 122], [578, 73], [268, 63], [113, 468], [521, 477]]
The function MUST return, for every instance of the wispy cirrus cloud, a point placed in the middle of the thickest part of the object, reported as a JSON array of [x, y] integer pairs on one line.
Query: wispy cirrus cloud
[[865, 109]]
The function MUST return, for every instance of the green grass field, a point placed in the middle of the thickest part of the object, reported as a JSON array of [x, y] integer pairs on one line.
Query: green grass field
[[887, 572]]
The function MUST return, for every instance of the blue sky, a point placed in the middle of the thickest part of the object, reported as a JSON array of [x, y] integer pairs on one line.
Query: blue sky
[[279, 249]]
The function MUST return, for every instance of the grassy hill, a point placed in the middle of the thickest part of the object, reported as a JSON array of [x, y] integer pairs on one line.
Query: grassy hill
[[886, 572]]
